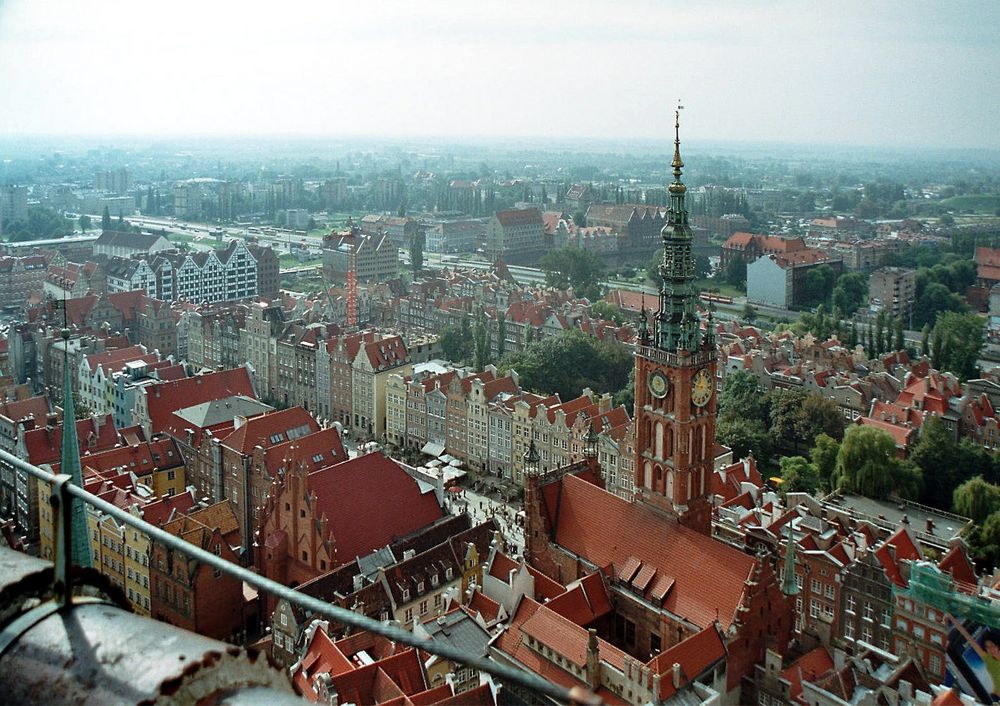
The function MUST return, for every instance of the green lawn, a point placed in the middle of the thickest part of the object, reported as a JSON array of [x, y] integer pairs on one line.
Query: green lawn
[[286, 261], [985, 203]]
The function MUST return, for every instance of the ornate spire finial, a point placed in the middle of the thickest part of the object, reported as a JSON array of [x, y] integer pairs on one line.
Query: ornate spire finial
[[678, 162]]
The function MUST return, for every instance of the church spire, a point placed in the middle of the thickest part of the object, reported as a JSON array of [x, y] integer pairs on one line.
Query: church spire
[[70, 461], [789, 586], [678, 328]]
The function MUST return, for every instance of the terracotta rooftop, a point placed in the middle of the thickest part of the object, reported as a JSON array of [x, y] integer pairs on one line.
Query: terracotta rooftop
[[704, 577]]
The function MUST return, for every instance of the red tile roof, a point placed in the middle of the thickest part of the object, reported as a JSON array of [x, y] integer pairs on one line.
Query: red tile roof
[[810, 666], [44, 445], [271, 428], [607, 530], [141, 459], [896, 549], [902, 435], [695, 655], [388, 353], [956, 563], [519, 217], [585, 602], [165, 398], [16, 410], [738, 240], [311, 452], [485, 606], [114, 359], [353, 495], [551, 629]]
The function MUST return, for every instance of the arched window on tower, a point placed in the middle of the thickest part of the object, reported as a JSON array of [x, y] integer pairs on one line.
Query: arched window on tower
[[659, 440]]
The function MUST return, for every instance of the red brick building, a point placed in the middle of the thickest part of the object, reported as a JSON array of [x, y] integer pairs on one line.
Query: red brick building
[[192, 595], [315, 521]]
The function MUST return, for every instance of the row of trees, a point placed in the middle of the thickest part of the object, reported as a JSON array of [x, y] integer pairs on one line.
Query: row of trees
[[476, 342], [573, 267], [41, 223], [779, 421], [570, 361]]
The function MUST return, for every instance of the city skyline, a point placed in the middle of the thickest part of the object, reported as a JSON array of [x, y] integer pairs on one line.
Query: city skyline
[[900, 75]]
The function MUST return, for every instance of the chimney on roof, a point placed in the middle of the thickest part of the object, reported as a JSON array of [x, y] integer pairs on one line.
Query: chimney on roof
[[677, 675], [50, 419], [930, 526], [593, 660]]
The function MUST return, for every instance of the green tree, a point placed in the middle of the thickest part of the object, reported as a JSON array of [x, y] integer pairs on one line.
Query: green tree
[[501, 333], [417, 250], [85, 223], [580, 219], [934, 453], [106, 219], [798, 475], [867, 465], [744, 436], [925, 336], [961, 337], [798, 417], [749, 313], [602, 309], [741, 397], [976, 499], [568, 362], [454, 344], [824, 457], [573, 267], [736, 273], [850, 292], [935, 298], [819, 282], [879, 333], [702, 266], [481, 349]]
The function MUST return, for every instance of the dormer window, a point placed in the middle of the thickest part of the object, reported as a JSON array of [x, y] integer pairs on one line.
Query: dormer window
[[420, 587], [448, 573], [434, 580], [406, 594]]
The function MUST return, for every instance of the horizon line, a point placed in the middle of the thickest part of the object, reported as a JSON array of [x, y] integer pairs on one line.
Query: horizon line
[[697, 143]]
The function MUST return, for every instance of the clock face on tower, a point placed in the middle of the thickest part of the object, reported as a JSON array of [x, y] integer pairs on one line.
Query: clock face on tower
[[658, 384], [702, 385]]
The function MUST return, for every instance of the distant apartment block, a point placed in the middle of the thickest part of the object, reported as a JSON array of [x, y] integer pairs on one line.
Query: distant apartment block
[[893, 289], [117, 181], [517, 234], [13, 204], [373, 258]]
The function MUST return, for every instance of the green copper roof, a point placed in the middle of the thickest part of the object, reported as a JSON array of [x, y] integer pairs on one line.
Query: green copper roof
[[789, 586]]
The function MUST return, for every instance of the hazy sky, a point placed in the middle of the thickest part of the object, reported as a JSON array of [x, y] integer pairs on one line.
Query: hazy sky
[[877, 72]]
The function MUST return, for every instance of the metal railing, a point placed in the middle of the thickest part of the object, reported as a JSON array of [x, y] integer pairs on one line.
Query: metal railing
[[63, 491]]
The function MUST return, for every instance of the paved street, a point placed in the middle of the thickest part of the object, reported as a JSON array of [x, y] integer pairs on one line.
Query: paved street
[[481, 507]]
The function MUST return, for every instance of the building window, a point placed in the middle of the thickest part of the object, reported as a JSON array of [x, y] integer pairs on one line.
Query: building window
[[886, 617], [814, 609], [850, 604], [849, 630]]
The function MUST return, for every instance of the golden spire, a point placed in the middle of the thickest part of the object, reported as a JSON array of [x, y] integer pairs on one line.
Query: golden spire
[[677, 187], [677, 163]]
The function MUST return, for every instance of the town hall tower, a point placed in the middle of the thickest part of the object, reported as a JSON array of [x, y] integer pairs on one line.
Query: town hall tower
[[675, 390]]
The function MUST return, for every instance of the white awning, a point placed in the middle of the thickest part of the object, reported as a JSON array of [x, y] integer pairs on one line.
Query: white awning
[[432, 449]]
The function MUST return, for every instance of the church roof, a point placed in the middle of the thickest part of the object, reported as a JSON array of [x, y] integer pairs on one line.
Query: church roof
[[690, 574]]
